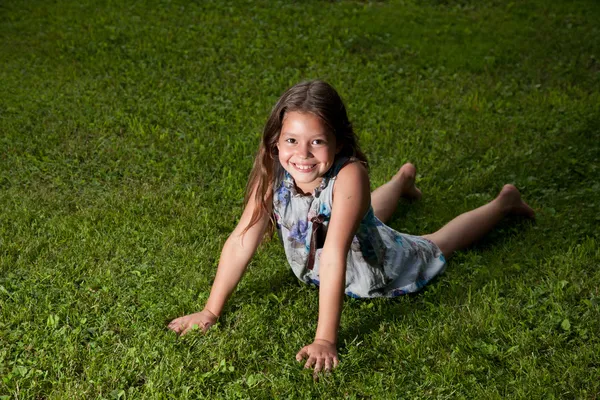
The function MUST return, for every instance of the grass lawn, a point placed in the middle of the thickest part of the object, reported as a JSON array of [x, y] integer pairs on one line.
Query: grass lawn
[[127, 132]]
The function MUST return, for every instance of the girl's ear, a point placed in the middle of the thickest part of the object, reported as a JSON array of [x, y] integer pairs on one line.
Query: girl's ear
[[339, 148]]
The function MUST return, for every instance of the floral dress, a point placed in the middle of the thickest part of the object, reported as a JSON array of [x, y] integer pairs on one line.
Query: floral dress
[[381, 262]]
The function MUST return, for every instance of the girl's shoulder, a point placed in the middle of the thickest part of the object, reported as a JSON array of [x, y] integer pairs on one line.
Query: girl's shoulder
[[342, 162], [351, 179], [351, 172]]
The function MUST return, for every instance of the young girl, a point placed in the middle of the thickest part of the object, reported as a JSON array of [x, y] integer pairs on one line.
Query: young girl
[[310, 181]]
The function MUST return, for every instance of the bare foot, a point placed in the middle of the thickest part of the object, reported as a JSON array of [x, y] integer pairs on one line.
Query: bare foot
[[406, 177], [511, 197]]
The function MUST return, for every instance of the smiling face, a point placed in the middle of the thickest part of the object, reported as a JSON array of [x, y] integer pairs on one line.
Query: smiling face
[[306, 149]]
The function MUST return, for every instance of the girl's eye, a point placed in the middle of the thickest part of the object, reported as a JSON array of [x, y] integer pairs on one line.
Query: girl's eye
[[315, 142]]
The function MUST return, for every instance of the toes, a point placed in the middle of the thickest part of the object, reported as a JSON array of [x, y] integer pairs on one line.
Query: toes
[[414, 193], [511, 197]]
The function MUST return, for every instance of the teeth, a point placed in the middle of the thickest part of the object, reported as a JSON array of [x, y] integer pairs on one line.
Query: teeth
[[304, 167]]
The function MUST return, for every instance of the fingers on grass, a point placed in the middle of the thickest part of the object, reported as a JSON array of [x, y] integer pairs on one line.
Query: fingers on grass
[[328, 364], [310, 362], [301, 354], [189, 327], [319, 365], [175, 325], [206, 326]]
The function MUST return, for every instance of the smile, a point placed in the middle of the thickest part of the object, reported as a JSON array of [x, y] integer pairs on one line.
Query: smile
[[304, 168]]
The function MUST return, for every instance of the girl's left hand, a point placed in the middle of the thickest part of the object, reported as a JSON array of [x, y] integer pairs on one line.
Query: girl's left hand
[[321, 354]]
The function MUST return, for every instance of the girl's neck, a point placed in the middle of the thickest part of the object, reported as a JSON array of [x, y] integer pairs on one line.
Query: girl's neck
[[308, 190]]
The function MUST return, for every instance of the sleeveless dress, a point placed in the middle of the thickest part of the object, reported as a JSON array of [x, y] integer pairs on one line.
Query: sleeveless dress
[[381, 262]]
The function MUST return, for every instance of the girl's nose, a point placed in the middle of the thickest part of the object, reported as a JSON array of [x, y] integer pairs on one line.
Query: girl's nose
[[303, 151]]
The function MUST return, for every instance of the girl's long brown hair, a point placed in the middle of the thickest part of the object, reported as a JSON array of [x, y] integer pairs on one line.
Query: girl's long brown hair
[[315, 97]]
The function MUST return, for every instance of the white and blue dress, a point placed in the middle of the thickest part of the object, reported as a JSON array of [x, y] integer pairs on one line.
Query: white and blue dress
[[381, 262]]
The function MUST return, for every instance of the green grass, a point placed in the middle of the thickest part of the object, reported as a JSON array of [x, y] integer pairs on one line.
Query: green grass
[[127, 131]]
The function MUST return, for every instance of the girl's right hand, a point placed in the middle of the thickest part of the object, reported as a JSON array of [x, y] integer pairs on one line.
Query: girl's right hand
[[203, 320]]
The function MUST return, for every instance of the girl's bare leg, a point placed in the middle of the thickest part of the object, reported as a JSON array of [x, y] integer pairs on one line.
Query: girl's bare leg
[[471, 226], [385, 198]]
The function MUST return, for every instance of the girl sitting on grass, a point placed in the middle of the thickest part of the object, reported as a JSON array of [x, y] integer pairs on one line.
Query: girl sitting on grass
[[310, 181]]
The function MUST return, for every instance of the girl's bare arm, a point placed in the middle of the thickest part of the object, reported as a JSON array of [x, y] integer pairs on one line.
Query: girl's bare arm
[[351, 201], [237, 253], [235, 256]]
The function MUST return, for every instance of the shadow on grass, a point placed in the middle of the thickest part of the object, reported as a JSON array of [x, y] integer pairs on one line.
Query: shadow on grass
[[275, 284]]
